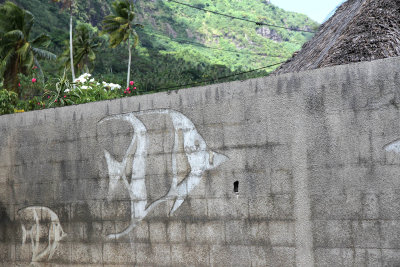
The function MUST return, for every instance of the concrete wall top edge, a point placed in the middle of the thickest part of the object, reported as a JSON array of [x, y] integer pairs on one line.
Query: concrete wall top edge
[[268, 86]]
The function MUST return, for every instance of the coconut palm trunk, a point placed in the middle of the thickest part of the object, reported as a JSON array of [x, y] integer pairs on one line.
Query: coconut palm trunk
[[70, 46], [120, 28], [129, 63]]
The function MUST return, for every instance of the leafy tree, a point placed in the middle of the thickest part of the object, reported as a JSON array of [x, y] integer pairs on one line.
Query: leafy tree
[[120, 27], [86, 44], [69, 4], [19, 53]]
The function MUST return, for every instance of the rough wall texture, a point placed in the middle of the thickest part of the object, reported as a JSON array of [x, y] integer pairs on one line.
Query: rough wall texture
[[149, 180]]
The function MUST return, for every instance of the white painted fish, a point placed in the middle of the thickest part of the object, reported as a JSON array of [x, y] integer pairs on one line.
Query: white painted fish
[[393, 147], [199, 157], [38, 222], [117, 170]]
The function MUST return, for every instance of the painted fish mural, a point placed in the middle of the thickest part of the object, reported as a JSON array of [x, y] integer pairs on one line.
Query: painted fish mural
[[38, 223], [186, 136]]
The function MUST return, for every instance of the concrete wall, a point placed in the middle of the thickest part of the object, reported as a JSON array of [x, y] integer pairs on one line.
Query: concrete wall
[[149, 180]]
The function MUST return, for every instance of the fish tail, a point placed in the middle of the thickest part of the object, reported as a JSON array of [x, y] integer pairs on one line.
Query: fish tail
[[23, 234]]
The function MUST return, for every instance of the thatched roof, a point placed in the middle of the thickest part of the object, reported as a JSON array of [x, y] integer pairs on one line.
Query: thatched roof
[[360, 30]]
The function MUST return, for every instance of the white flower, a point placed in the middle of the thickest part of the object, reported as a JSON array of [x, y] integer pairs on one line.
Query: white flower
[[83, 78], [112, 86]]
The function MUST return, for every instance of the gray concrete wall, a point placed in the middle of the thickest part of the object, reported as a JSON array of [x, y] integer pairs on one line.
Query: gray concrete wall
[[148, 181]]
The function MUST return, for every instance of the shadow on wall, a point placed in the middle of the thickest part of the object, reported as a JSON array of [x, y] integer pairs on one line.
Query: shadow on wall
[[6, 226]]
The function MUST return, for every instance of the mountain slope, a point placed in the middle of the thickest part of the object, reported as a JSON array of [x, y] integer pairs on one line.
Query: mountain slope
[[178, 21]]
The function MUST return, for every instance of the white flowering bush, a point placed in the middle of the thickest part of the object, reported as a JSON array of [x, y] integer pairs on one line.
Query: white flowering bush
[[86, 83], [83, 78], [86, 90], [111, 86]]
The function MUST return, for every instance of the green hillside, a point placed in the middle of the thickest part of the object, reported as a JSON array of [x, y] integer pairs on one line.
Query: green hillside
[[166, 55]]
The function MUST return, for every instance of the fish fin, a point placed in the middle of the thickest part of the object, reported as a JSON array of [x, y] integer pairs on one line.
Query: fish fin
[[114, 166], [115, 170], [215, 159], [178, 202], [23, 234], [52, 250]]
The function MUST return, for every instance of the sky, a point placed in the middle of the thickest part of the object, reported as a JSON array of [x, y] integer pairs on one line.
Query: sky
[[317, 10]]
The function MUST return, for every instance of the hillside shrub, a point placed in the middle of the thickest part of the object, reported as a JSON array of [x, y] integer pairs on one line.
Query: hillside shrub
[[8, 102]]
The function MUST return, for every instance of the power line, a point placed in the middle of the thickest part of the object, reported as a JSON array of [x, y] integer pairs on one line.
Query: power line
[[243, 19], [214, 48], [227, 50], [218, 78]]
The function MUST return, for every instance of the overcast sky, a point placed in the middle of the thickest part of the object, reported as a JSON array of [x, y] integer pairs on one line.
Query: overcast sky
[[318, 10]]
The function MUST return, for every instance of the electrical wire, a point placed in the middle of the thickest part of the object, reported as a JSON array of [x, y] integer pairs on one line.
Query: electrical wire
[[214, 48], [243, 19], [227, 50], [213, 80], [219, 78]]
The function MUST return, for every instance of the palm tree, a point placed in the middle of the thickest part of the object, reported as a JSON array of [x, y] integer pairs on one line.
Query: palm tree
[[120, 28], [19, 53], [85, 45], [69, 4]]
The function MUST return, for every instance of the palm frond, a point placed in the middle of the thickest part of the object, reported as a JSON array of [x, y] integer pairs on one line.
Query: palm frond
[[135, 38], [28, 61], [43, 54], [118, 25], [42, 40], [29, 20], [11, 10], [120, 20], [92, 56], [36, 61], [15, 33], [23, 51], [15, 14], [6, 60]]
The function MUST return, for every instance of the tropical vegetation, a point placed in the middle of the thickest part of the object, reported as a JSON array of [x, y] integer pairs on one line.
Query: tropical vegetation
[[86, 44], [162, 45], [18, 52], [69, 4], [120, 27]]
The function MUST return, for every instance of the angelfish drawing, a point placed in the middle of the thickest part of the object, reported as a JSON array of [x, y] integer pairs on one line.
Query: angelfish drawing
[[41, 223], [198, 156]]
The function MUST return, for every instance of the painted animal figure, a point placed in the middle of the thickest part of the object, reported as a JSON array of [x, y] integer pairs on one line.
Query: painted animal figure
[[199, 158], [41, 222]]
